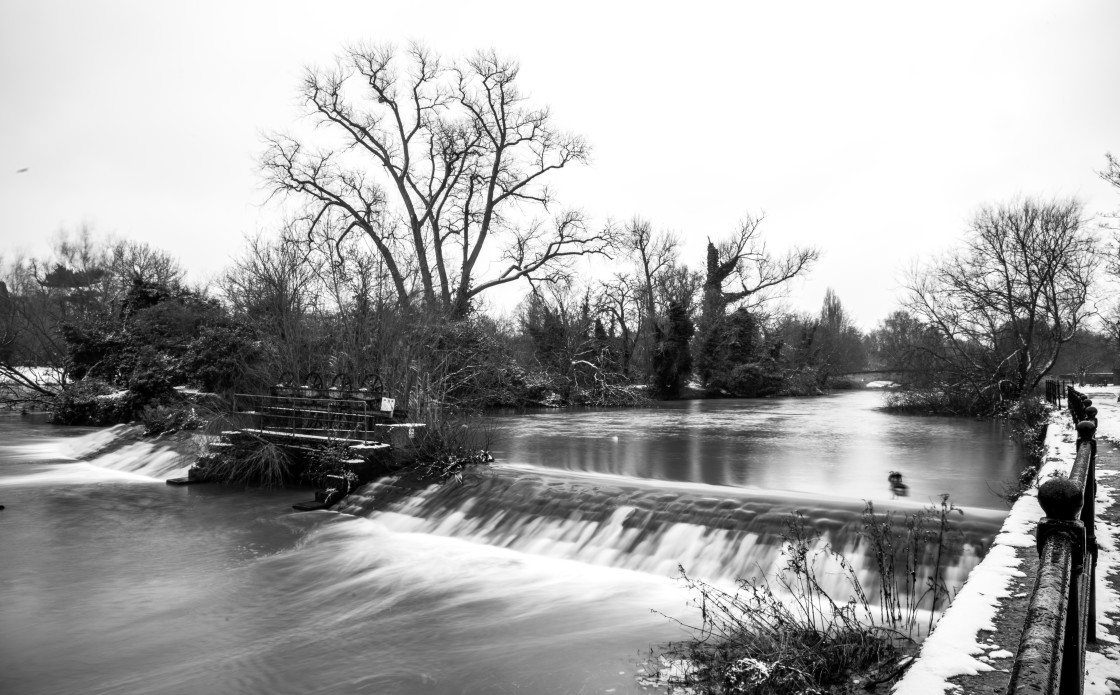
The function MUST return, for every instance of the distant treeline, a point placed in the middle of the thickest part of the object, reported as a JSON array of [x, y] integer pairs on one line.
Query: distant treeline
[[424, 190]]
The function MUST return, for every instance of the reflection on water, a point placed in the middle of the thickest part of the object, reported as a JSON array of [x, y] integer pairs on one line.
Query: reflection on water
[[839, 446]]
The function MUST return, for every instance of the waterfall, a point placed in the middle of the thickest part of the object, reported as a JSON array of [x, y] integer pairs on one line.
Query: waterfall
[[116, 453], [716, 533]]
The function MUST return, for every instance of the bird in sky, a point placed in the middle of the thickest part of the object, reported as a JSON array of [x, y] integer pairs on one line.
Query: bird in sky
[[20, 171]]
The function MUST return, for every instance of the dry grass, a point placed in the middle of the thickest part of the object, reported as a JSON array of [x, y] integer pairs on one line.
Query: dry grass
[[788, 634]]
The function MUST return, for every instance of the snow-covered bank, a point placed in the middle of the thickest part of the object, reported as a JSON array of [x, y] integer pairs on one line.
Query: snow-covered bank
[[1102, 662], [956, 647]]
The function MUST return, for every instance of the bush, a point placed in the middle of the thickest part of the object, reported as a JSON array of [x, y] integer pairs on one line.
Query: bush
[[165, 419], [937, 401], [261, 463], [157, 338], [843, 384], [753, 380], [787, 634], [326, 461], [153, 376], [448, 445], [802, 382], [223, 356], [93, 402], [1028, 417]]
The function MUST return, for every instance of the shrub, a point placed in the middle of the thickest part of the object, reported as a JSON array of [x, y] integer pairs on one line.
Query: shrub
[[947, 399], [1028, 417], [93, 402], [787, 634], [153, 375], [843, 384], [222, 356], [802, 382], [448, 445], [165, 419], [326, 461], [261, 463], [752, 380]]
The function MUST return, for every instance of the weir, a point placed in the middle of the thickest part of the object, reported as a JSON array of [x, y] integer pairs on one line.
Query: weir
[[523, 578], [716, 533]]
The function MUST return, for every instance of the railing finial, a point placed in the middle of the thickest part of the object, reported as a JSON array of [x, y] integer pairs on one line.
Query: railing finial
[[1060, 498]]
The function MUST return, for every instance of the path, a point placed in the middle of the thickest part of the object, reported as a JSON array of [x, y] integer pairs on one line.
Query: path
[[1103, 660]]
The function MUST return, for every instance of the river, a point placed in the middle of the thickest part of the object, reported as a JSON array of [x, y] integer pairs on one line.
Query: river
[[542, 576]]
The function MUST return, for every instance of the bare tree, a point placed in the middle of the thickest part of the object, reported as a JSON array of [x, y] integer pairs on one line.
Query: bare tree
[[654, 254], [753, 273], [620, 300], [138, 261], [639, 298], [904, 343], [453, 150], [275, 285], [741, 273], [32, 355], [1006, 302], [1112, 173]]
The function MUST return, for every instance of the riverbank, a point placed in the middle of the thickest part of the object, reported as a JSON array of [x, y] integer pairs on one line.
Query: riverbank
[[974, 644]]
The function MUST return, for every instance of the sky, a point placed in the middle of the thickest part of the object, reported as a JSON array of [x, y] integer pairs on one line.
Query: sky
[[872, 131]]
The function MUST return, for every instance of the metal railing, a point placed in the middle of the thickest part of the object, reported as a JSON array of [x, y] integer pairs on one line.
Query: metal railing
[[1055, 388], [1061, 616], [309, 418]]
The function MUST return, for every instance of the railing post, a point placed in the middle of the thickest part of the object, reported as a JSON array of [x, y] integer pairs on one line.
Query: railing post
[[1061, 616], [1042, 659], [1062, 501], [1087, 434]]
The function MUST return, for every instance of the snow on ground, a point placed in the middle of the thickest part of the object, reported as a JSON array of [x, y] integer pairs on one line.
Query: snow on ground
[[954, 648], [39, 375], [1103, 665]]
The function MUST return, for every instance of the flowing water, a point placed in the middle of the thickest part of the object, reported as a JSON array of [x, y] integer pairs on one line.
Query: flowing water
[[540, 576]]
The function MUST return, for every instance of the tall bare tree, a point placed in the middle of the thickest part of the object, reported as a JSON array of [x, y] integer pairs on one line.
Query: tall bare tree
[[452, 149], [741, 273], [638, 299], [741, 270], [1006, 302]]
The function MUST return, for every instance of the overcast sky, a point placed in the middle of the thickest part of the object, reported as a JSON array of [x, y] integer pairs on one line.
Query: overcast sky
[[871, 130]]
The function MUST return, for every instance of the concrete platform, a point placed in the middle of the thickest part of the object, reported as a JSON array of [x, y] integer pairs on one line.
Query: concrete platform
[[311, 506], [184, 481]]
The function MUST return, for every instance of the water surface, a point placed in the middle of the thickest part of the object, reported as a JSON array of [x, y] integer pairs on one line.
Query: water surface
[[842, 445], [540, 579]]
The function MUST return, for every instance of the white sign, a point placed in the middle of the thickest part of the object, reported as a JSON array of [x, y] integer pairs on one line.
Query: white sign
[[387, 404]]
